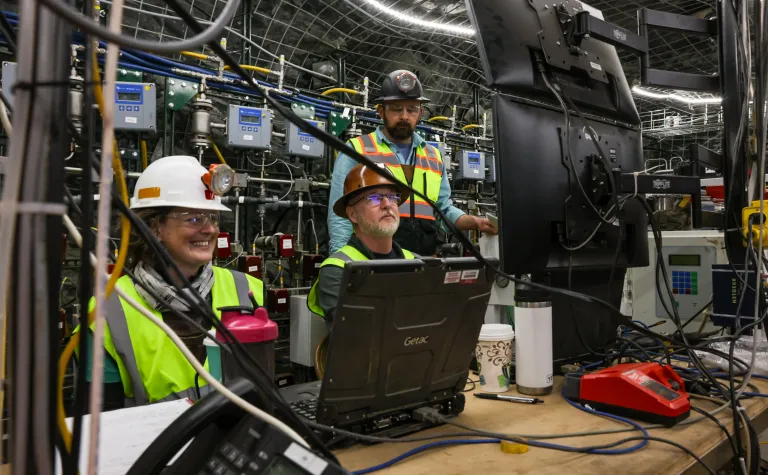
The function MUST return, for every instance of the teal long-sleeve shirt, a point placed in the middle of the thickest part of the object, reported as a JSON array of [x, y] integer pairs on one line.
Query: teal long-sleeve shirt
[[340, 229]]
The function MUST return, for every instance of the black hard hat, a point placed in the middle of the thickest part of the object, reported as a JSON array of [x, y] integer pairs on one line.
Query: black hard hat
[[399, 85]]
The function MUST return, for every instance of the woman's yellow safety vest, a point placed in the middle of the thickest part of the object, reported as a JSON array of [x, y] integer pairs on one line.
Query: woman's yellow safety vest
[[339, 259], [152, 368], [427, 172]]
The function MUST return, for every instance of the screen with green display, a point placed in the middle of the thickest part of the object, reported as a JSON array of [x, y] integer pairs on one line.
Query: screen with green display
[[283, 467], [684, 259], [129, 96]]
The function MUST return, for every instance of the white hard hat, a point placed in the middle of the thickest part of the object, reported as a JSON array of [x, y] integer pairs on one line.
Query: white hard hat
[[175, 181]]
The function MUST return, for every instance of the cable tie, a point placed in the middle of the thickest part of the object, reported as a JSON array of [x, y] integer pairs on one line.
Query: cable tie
[[41, 208]]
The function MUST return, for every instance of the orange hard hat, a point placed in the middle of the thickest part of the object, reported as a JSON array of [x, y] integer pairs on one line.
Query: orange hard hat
[[362, 178]]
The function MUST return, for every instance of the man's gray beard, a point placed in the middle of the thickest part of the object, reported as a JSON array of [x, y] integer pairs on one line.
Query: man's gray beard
[[380, 228]]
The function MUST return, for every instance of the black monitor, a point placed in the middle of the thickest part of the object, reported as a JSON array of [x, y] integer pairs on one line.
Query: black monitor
[[511, 34], [541, 208], [403, 337]]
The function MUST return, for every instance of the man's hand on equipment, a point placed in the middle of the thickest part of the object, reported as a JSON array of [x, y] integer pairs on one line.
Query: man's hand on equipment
[[467, 222]]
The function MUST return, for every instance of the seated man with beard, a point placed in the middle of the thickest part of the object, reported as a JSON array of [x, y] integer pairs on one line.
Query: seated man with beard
[[370, 203]]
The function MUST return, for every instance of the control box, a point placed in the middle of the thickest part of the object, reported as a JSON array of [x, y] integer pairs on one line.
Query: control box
[[249, 127], [307, 332], [135, 106], [250, 265], [223, 250], [311, 266], [9, 78], [302, 144], [471, 165], [690, 274], [285, 245], [490, 172], [277, 300]]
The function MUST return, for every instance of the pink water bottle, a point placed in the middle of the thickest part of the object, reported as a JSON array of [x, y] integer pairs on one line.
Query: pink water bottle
[[255, 331]]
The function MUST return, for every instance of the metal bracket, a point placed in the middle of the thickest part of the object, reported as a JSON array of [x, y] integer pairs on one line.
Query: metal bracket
[[563, 51], [304, 111], [179, 93], [338, 123], [129, 75]]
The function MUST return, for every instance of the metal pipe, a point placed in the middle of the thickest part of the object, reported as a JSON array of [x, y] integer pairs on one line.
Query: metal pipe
[[314, 184], [237, 217], [80, 170], [299, 227]]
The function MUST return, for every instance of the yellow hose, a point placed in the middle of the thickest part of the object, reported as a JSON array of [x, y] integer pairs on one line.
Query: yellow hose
[[192, 54], [118, 269], [470, 126], [144, 158], [218, 152], [248, 67], [439, 117], [338, 89]]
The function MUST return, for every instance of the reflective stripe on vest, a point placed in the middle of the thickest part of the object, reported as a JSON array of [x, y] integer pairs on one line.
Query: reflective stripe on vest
[[125, 350], [340, 259], [427, 172]]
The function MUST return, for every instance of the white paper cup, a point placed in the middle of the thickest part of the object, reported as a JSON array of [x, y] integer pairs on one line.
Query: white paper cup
[[494, 354]]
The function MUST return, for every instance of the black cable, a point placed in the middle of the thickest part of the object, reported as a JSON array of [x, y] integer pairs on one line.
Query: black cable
[[721, 426], [699, 312], [8, 33], [79, 406]]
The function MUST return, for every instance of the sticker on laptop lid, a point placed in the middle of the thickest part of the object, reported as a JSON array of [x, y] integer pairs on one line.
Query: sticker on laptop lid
[[452, 277], [469, 276]]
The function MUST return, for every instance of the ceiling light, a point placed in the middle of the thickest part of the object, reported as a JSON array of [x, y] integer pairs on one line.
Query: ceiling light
[[677, 97], [415, 21]]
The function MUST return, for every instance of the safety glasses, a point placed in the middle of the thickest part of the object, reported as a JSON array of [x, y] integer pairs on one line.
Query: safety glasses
[[196, 220], [398, 109], [375, 198]]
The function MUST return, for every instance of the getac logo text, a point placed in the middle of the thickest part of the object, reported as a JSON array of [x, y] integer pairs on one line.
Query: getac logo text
[[416, 340]]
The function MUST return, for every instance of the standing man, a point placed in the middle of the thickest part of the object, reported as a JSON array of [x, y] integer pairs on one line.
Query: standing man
[[370, 205], [411, 160]]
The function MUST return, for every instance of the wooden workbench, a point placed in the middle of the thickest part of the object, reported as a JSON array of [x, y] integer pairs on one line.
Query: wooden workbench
[[557, 416]]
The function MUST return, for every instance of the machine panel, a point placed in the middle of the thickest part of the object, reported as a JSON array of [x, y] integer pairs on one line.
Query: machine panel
[[249, 127], [136, 105], [471, 165], [302, 144]]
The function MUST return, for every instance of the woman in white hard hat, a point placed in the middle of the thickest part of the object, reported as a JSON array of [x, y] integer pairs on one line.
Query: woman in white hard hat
[[177, 198]]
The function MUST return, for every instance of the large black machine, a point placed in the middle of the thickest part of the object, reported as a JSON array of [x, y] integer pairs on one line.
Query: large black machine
[[568, 143]]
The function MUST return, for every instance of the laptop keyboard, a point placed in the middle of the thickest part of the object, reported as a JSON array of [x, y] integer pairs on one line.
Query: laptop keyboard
[[306, 408]]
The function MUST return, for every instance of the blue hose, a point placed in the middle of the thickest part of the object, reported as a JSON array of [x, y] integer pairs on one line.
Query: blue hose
[[423, 448]]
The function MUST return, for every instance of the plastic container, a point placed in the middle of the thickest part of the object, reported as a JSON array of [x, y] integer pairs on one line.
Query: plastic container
[[256, 332], [494, 353], [214, 355]]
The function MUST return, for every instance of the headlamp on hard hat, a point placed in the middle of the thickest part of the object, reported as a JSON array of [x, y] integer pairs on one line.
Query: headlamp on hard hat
[[219, 178]]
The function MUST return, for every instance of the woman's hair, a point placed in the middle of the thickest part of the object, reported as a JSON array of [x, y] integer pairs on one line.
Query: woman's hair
[[138, 248]]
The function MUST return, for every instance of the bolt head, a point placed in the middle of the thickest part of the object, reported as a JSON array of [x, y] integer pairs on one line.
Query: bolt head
[[135, 154], [183, 84], [170, 105], [171, 93], [173, 82]]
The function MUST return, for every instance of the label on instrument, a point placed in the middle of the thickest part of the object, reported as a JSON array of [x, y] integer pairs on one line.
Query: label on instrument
[[253, 269], [247, 137], [131, 120], [469, 276], [345, 114], [596, 66], [452, 277], [305, 147], [477, 172], [288, 244], [318, 264], [223, 243], [281, 300]]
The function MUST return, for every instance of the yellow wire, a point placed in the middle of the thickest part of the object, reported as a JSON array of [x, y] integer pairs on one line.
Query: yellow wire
[[249, 67], [470, 126], [144, 158], [338, 89], [218, 152], [192, 54], [439, 117], [118, 269]]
